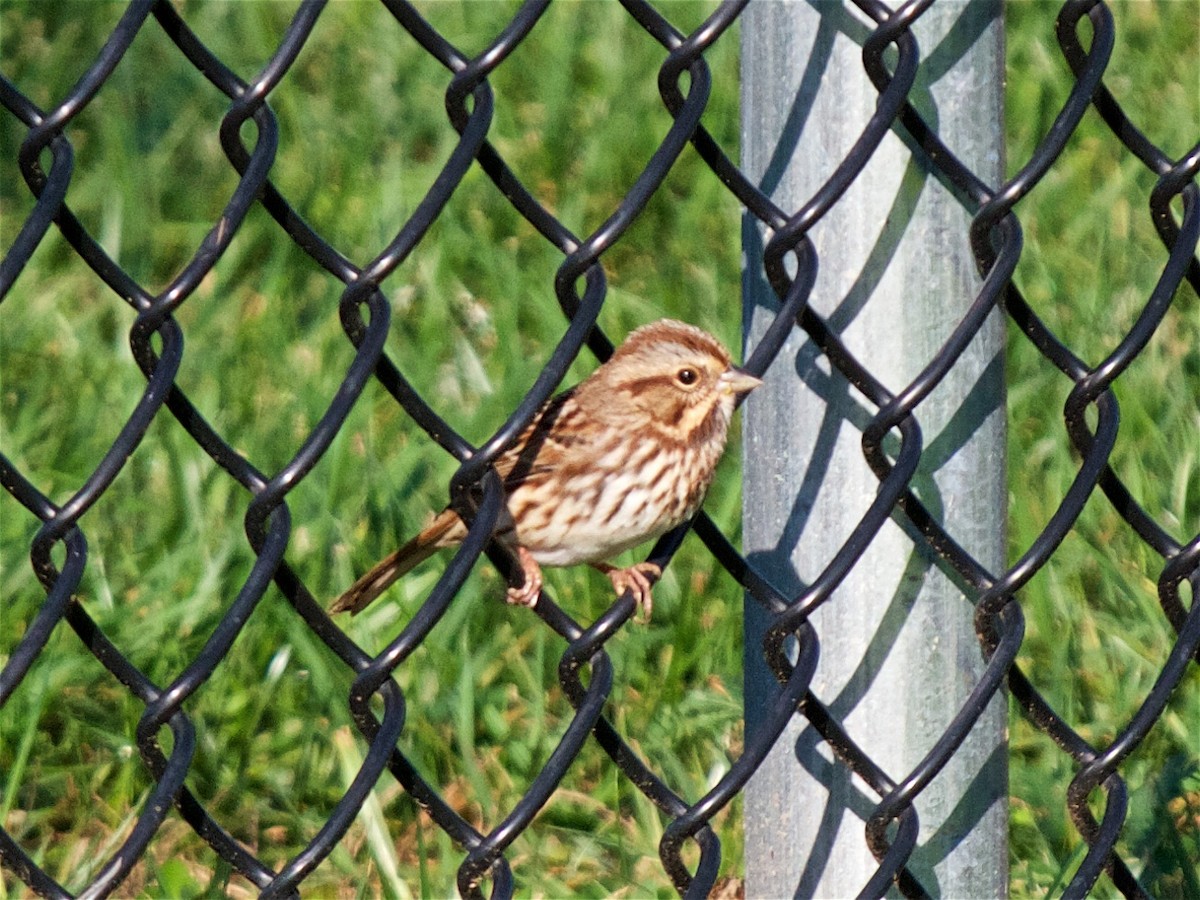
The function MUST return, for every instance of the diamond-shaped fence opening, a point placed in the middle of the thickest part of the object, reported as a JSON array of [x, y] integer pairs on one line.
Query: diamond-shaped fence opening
[[281, 281]]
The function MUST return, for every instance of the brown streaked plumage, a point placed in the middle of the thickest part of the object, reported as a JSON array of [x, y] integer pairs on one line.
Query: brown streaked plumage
[[620, 459]]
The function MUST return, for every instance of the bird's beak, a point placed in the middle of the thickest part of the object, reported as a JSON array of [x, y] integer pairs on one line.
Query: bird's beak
[[738, 382]]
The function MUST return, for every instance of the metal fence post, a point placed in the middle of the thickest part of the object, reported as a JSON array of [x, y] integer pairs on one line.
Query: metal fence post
[[898, 653]]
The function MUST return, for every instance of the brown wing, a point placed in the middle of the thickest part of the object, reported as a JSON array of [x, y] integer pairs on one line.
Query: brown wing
[[552, 441]]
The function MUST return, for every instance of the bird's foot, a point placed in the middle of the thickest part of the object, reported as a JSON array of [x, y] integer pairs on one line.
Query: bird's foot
[[527, 594], [639, 579]]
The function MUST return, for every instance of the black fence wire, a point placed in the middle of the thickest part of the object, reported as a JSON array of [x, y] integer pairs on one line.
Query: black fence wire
[[381, 703]]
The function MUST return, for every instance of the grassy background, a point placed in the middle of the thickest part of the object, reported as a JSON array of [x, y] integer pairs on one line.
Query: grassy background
[[362, 136], [1096, 638]]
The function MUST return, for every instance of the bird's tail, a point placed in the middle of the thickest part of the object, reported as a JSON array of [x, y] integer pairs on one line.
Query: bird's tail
[[441, 532]]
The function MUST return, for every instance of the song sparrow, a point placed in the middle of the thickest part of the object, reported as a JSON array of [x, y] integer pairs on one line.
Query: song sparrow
[[621, 458]]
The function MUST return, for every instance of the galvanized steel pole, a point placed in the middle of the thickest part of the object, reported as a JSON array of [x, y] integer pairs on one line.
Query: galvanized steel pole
[[898, 653]]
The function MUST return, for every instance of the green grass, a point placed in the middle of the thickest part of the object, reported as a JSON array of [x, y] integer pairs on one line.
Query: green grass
[[362, 135], [276, 747], [1096, 637]]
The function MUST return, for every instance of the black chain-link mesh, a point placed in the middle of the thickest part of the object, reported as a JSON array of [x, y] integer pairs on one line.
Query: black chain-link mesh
[[384, 699]]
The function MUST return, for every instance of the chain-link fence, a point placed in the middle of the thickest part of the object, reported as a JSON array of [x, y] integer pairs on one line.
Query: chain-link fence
[[180, 712]]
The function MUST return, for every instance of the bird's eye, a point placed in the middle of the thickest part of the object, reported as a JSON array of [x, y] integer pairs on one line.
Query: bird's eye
[[687, 376]]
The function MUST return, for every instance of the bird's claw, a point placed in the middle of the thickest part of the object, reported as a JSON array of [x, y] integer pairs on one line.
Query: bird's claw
[[527, 594], [638, 579]]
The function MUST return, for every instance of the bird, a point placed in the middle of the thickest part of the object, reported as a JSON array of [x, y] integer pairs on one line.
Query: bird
[[619, 459]]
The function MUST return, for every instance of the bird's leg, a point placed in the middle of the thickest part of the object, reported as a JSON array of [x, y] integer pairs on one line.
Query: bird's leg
[[639, 579], [527, 594]]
